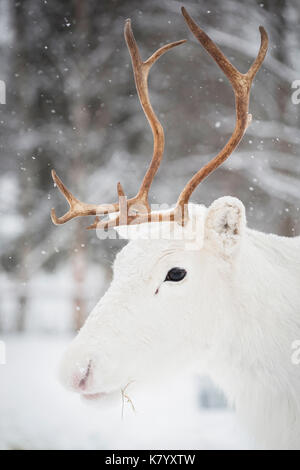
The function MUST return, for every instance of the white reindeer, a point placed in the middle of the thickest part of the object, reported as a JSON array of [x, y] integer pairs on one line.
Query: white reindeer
[[228, 297]]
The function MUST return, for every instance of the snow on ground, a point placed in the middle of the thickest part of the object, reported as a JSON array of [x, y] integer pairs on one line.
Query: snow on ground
[[37, 413]]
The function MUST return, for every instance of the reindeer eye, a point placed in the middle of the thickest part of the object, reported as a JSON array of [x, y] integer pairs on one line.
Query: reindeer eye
[[176, 275]]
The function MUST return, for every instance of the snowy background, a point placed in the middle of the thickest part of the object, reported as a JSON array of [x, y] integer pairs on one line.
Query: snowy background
[[72, 106]]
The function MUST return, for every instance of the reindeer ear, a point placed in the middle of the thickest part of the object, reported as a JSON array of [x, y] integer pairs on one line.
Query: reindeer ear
[[224, 226]]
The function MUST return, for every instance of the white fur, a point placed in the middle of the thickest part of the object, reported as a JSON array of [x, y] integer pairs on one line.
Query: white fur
[[237, 312]]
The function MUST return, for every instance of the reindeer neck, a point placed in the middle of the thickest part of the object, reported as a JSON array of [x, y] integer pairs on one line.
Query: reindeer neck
[[251, 360]]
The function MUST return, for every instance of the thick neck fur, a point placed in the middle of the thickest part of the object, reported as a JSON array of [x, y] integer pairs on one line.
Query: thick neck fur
[[252, 352]]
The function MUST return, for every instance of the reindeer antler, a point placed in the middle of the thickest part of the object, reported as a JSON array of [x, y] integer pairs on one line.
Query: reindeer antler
[[241, 84], [136, 209]]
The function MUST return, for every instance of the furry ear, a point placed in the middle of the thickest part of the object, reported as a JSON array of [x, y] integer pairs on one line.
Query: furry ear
[[224, 226]]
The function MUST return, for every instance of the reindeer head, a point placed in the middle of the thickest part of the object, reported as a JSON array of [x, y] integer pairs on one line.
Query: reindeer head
[[159, 310]]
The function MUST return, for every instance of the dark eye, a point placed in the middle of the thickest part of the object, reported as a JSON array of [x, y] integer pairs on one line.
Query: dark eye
[[176, 275]]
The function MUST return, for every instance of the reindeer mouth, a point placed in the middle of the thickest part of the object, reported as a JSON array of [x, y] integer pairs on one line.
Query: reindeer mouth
[[110, 397], [102, 400], [84, 384], [94, 396]]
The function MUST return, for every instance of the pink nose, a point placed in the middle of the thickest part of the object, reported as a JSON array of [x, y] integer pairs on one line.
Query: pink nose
[[82, 378]]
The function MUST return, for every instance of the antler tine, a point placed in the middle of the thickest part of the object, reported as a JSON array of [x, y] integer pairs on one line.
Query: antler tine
[[141, 70], [77, 208], [241, 85], [261, 54], [71, 199]]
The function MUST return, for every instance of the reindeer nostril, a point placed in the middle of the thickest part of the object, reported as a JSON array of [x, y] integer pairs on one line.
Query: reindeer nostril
[[83, 381]]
